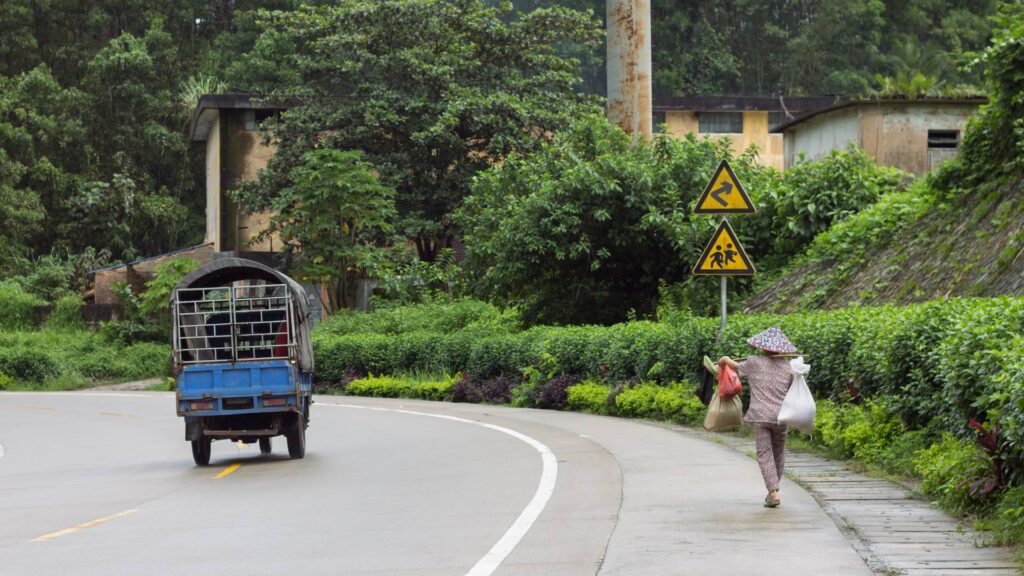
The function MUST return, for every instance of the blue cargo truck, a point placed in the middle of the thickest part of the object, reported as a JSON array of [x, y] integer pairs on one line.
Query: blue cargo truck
[[243, 358]]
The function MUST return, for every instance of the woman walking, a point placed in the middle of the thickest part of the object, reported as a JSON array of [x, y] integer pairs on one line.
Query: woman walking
[[769, 378]]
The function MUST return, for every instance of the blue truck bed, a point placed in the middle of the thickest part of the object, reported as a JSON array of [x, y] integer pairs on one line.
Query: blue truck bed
[[242, 387]]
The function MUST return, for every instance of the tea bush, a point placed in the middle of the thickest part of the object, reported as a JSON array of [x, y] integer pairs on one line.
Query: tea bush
[[675, 402], [400, 387], [589, 396]]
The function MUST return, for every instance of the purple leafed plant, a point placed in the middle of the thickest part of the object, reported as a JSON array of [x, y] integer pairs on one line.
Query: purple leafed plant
[[994, 478], [498, 390], [552, 394], [465, 390]]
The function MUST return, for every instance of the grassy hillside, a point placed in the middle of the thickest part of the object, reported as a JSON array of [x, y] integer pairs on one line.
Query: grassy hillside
[[910, 247]]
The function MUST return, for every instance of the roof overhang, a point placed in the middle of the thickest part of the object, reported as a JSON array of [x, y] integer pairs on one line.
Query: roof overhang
[[968, 101], [208, 109], [745, 103]]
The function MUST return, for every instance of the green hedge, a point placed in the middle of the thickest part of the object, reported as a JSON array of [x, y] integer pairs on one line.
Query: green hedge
[[391, 387], [936, 364]]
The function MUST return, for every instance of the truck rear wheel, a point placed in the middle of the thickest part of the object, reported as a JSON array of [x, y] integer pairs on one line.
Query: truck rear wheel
[[201, 451], [265, 445], [296, 436]]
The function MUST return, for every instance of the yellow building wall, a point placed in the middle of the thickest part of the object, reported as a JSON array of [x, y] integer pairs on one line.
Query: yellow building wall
[[244, 156], [213, 191], [770, 149]]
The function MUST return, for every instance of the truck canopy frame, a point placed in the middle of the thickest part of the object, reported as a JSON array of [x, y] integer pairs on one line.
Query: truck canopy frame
[[216, 320]]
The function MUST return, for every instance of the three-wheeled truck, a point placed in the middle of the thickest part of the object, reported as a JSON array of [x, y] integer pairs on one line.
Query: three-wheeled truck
[[243, 358]]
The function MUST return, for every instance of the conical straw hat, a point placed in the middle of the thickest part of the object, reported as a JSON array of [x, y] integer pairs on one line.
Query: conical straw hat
[[772, 340]]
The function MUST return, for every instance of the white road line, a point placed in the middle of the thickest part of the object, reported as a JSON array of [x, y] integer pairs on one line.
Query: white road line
[[545, 488]]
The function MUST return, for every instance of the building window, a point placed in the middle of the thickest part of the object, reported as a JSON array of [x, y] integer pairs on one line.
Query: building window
[[776, 119], [658, 121], [254, 118], [720, 122], [943, 138]]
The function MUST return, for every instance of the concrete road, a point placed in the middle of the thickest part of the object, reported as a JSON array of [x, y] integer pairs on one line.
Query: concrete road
[[104, 484]]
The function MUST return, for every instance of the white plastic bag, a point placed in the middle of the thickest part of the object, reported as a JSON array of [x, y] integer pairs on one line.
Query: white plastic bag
[[798, 407]]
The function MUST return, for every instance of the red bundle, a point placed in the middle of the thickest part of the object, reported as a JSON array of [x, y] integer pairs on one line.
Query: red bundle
[[728, 382]]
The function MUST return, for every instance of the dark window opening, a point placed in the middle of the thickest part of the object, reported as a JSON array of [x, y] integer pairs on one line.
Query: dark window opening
[[776, 119], [255, 118], [658, 120], [943, 138], [720, 122]]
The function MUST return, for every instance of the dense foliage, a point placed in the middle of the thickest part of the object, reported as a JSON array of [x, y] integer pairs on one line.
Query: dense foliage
[[586, 228], [431, 109], [814, 195], [595, 226], [94, 96], [91, 130], [805, 47], [331, 219]]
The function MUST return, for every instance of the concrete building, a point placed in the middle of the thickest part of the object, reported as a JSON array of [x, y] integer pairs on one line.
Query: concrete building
[[229, 125], [745, 120], [913, 135]]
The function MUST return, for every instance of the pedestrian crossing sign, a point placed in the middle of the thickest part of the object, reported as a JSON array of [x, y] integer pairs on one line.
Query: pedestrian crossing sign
[[724, 194], [724, 255]]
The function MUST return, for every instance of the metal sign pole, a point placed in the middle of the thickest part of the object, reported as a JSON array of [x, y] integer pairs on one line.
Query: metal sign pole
[[723, 302], [725, 296]]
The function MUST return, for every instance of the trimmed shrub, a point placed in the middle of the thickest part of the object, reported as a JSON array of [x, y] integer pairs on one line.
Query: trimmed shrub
[[675, 402], [589, 397], [397, 387]]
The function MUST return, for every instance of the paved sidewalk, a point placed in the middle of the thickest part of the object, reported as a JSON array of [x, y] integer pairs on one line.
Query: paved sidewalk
[[893, 530]]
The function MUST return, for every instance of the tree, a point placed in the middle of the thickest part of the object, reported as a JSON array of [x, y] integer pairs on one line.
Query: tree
[[586, 228], [463, 86], [331, 219]]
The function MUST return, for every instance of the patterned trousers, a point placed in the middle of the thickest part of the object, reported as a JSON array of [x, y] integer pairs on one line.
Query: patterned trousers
[[771, 452]]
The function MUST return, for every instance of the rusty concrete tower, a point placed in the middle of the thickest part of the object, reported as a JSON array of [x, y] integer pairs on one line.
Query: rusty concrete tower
[[629, 65]]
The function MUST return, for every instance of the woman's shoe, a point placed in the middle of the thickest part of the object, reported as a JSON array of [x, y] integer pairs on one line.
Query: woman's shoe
[[770, 502]]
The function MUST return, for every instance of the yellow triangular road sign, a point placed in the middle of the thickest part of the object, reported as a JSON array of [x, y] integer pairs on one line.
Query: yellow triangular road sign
[[724, 256], [724, 194]]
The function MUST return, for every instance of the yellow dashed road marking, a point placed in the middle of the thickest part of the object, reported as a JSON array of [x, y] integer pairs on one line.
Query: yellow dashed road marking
[[83, 526], [226, 471], [118, 414]]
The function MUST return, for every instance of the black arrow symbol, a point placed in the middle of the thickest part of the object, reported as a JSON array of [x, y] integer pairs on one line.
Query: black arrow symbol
[[717, 194]]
